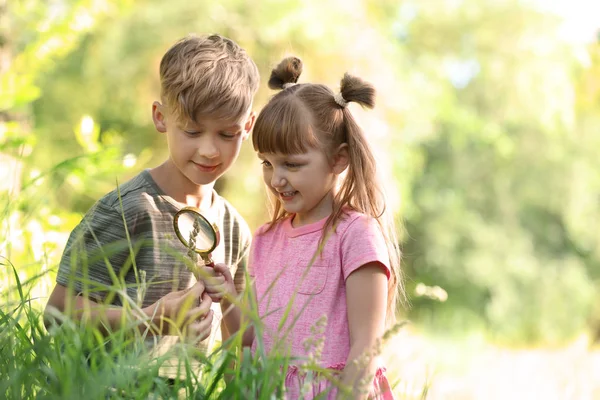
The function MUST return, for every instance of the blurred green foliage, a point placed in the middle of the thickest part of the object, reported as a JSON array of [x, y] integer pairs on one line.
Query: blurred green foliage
[[487, 126]]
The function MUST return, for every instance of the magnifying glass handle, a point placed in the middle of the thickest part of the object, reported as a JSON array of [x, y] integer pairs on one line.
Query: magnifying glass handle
[[208, 261]]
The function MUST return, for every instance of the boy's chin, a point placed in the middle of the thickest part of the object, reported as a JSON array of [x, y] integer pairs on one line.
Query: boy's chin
[[205, 179]]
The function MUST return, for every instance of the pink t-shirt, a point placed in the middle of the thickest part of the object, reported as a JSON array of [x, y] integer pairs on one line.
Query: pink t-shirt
[[280, 262]]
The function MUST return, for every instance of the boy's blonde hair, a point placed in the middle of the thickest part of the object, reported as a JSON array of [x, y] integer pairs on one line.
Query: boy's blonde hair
[[208, 76]]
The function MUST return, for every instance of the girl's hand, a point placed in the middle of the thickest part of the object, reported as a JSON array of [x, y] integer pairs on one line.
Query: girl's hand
[[218, 281]]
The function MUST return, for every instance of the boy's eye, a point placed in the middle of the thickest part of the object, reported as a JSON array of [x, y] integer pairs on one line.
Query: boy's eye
[[228, 135], [193, 133], [265, 163], [292, 165]]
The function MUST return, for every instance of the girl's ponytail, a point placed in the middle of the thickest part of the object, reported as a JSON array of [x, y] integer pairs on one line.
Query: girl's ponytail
[[286, 73], [354, 89]]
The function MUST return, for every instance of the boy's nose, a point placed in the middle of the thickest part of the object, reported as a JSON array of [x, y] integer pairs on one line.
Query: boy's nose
[[208, 149]]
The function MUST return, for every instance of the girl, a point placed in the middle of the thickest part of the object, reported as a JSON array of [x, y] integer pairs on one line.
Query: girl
[[330, 249]]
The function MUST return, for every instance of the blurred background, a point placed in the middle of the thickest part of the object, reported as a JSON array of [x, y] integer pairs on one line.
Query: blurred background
[[486, 129]]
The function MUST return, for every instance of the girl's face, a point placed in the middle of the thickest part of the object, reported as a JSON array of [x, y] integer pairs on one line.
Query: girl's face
[[303, 183]]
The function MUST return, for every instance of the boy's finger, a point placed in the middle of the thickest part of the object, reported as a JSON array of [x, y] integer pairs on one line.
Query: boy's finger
[[216, 297], [202, 309], [201, 330], [197, 314], [196, 290], [205, 297]]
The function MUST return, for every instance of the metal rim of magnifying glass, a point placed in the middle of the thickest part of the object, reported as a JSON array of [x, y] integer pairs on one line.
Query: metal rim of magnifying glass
[[199, 214]]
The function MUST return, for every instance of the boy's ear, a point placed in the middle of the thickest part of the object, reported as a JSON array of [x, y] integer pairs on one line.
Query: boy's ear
[[158, 117], [249, 125], [341, 159]]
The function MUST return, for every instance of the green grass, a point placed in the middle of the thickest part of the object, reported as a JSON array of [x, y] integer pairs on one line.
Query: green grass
[[70, 360], [75, 361]]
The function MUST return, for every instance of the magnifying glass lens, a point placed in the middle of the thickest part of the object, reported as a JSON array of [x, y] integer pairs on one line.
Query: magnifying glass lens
[[195, 231]]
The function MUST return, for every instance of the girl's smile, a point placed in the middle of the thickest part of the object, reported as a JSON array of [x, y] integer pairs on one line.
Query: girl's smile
[[287, 196]]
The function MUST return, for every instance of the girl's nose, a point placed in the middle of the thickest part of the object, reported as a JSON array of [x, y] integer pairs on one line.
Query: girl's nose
[[278, 180]]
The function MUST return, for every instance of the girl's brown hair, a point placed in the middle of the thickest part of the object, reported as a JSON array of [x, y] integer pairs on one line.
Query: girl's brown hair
[[307, 115]]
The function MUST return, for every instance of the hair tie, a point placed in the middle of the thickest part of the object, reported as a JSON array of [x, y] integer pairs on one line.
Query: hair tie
[[287, 85], [340, 100]]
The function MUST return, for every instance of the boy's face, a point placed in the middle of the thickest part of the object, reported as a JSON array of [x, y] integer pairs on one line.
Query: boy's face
[[202, 151]]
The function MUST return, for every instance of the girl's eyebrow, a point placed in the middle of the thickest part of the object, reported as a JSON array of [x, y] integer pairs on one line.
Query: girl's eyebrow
[[295, 156]]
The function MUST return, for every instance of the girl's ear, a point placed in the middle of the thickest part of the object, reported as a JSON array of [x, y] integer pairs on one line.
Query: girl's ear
[[158, 117], [341, 159]]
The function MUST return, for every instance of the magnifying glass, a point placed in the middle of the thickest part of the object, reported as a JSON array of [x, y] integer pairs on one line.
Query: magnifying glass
[[197, 234]]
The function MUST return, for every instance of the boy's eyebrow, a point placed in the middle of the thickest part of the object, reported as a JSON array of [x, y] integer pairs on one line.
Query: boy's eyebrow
[[236, 127], [199, 127], [195, 127]]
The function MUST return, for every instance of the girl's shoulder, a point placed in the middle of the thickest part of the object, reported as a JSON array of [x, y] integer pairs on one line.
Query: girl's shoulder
[[355, 226], [268, 227], [351, 218], [262, 229]]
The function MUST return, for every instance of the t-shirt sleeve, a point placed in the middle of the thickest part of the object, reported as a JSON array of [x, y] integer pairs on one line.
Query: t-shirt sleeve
[[363, 243], [95, 254]]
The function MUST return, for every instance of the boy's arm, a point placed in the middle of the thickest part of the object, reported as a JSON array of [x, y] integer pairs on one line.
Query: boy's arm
[[182, 306], [92, 258], [63, 301]]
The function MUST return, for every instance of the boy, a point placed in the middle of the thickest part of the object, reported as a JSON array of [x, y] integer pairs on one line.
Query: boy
[[207, 87]]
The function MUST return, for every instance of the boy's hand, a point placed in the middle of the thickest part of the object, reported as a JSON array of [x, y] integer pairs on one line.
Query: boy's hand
[[200, 326], [187, 310], [218, 282]]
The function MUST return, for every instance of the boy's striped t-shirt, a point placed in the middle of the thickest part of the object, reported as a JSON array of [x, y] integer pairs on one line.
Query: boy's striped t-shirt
[[127, 240]]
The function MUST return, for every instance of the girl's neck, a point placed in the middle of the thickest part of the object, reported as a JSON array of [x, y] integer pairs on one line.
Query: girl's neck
[[176, 185], [317, 213]]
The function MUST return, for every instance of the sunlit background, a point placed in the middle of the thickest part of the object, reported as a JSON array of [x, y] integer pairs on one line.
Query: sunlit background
[[487, 129]]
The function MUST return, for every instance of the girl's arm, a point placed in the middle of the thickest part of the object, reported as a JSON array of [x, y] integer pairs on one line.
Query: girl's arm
[[224, 292], [366, 298]]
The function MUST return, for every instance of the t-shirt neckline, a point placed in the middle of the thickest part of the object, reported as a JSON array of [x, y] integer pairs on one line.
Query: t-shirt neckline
[[150, 180], [304, 229]]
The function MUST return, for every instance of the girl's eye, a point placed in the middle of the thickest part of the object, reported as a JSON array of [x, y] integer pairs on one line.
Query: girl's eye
[[265, 163], [292, 165]]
